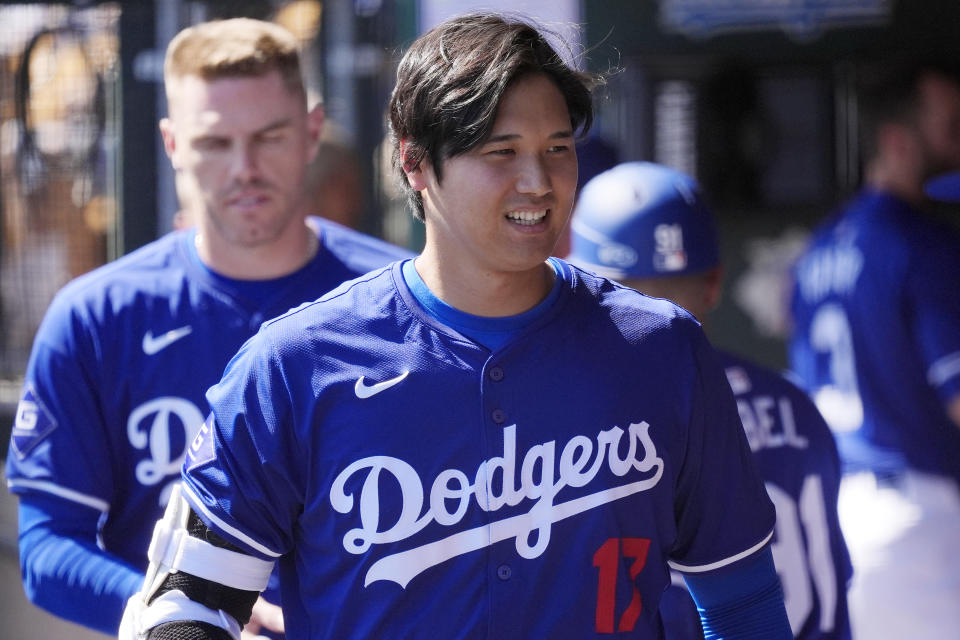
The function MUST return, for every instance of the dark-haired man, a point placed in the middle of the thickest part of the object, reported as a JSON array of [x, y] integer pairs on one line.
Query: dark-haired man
[[480, 442]]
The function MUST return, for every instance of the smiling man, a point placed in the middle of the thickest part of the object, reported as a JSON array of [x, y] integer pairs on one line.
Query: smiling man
[[481, 442], [115, 386]]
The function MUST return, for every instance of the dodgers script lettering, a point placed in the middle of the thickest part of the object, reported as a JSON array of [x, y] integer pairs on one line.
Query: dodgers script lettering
[[579, 462]]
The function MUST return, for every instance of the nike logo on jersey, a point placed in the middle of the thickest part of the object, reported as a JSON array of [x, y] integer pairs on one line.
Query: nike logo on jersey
[[364, 391], [154, 344], [449, 496]]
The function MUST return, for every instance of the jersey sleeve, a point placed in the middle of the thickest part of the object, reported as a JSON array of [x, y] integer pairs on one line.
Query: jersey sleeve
[[722, 509], [242, 473], [64, 570], [933, 307], [744, 602], [59, 443]]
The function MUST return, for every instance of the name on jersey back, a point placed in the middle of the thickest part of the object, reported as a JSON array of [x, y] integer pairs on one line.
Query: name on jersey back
[[830, 270]]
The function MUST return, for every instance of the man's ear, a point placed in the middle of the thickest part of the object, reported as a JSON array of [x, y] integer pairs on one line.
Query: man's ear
[[169, 140], [315, 119], [416, 177], [714, 287]]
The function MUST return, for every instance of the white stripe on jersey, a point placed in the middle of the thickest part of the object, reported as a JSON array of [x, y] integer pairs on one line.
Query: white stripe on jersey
[[944, 369], [720, 563], [61, 492], [197, 504]]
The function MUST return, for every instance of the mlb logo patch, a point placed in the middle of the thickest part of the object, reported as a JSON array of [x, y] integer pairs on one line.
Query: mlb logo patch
[[33, 423], [673, 261]]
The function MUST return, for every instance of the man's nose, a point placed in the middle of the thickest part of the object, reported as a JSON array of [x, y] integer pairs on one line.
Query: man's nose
[[534, 177]]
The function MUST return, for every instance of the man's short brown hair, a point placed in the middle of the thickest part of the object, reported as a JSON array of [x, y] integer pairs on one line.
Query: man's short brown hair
[[891, 92], [236, 47]]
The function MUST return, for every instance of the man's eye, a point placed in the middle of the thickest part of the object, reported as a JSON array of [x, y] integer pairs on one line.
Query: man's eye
[[272, 138], [211, 144], [500, 152]]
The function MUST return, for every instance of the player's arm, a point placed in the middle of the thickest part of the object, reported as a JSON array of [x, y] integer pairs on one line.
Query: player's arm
[[935, 318], [58, 466], [197, 586], [742, 601], [64, 571], [725, 517]]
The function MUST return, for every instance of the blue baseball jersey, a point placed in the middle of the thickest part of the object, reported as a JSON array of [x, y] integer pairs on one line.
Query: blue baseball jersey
[[413, 483], [797, 459], [876, 341], [114, 389]]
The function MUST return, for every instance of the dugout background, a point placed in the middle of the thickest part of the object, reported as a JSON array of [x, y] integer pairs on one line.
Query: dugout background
[[761, 106]]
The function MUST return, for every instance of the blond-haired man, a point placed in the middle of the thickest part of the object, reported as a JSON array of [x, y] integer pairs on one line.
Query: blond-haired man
[[114, 389]]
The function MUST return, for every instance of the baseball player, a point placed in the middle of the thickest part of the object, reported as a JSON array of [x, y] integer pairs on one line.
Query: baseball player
[[481, 442], [876, 341], [115, 385], [647, 226]]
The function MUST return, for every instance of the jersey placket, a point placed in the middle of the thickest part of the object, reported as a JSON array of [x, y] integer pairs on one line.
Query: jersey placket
[[503, 566]]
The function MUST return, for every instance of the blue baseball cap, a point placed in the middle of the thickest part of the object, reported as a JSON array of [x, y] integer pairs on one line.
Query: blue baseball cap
[[642, 220]]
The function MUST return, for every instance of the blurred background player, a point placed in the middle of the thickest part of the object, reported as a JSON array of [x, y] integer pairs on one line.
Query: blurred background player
[[114, 389], [481, 441], [334, 180], [648, 226], [595, 154], [876, 312]]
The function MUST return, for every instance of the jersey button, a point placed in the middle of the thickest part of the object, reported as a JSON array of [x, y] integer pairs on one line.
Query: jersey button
[[504, 572], [496, 374], [498, 416]]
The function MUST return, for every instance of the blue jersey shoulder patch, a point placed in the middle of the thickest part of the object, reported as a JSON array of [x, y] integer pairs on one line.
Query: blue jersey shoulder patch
[[33, 423], [201, 450]]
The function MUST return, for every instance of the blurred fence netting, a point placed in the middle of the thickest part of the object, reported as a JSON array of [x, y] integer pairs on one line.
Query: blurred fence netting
[[58, 160]]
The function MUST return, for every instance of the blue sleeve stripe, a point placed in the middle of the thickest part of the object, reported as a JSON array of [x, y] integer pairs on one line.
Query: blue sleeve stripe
[[61, 492], [944, 369], [721, 563], [233, 532]]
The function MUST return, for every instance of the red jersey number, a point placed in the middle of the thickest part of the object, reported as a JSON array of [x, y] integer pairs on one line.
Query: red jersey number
[[607, 560]]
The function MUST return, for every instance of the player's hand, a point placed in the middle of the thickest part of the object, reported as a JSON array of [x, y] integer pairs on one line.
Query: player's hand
[[264, 617]]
